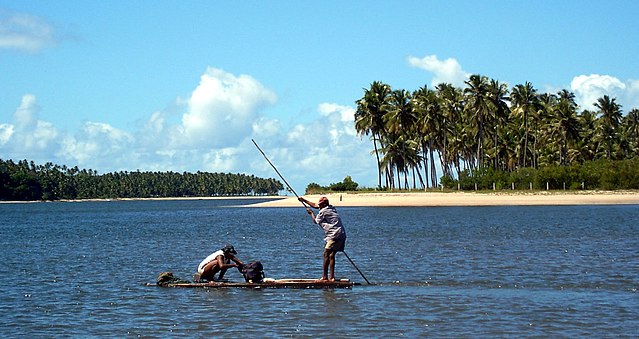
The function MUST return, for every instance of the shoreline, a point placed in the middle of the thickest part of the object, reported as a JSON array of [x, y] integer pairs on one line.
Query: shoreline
[[241, 197], [419, 199], [437, 199]]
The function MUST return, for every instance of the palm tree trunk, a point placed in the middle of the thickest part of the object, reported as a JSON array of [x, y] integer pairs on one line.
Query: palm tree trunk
[[424, 150], [379, 164], [525, 139], [406, 186], [433, 173], [421, 180], [414, 178], [479, 144]]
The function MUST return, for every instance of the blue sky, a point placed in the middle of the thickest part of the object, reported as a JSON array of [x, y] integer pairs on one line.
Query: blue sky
[[166, 86]]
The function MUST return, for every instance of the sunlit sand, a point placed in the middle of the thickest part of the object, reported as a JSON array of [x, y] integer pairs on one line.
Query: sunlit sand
[[467, 199]]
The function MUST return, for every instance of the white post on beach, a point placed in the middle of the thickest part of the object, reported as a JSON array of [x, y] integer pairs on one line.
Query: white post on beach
[[531, 186], [512, 186], [493, 186], [547, 186]]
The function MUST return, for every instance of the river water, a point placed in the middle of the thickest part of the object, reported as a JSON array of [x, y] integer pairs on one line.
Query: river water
[[78, 269]]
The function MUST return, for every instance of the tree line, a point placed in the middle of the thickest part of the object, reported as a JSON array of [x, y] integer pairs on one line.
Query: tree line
[[487, 128], [343, 186], [27, 181]]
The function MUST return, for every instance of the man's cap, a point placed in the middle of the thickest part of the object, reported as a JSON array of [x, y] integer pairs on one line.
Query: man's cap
[[323, 199], [228, 249]]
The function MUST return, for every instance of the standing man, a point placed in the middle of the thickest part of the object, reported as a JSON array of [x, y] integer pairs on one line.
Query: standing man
[[331, 223]]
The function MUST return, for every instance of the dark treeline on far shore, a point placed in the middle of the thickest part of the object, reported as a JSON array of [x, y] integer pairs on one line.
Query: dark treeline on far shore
[[26, 181], [487, 132]]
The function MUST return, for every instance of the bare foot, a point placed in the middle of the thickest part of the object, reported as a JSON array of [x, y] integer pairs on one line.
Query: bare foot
[[323, 279], [331, 279]]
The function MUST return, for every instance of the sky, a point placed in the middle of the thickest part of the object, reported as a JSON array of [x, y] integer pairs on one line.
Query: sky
[[185, 86]]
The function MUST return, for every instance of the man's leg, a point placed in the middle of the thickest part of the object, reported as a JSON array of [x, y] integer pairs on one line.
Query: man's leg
[[325, 264], [331, 264], [209, 271], [222, 273]]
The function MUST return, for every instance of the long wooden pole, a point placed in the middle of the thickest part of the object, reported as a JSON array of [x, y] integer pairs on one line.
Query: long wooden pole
[[278, 172], [360, 272], [292, 190]]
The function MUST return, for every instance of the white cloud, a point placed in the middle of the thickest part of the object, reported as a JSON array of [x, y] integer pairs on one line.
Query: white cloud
[[25, 32], [327, 149], [155, 124], [444, 71], [589, 88], [27, 134], [222, 109], [631, 95], [24, 115], [221, 160], [6, 131], [346, 113], [324, 150], [299, 134], [264, 127], [340, 121], [219, 116], [43, 136], [98, 145]]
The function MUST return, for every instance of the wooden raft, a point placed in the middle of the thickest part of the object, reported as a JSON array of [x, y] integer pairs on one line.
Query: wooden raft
[[272, 283]]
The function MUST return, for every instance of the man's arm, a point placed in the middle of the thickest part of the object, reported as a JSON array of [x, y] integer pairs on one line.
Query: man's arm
[[237, 261], [310, 203], [224, 266], [310, 212]]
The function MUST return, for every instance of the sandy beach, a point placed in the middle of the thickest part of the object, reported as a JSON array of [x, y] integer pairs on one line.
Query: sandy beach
[[467, 199], [426, 199]]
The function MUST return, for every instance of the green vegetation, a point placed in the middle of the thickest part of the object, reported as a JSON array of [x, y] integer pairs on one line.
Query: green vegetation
[[345, 185], [26, 181], [600, 174], [487, 133]]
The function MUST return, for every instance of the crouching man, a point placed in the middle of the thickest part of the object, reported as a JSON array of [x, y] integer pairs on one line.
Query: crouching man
[[218, 262]]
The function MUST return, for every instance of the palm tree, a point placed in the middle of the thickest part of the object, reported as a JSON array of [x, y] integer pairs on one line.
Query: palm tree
[[400, 116], [400, 153], [631, 131], [525, 103], [369, 117], [478, 106], [431, 130], [588, 144], [452, 105], [400, 123], [498, 95], [391, 158], [564, 126], [610, 118], [473, 127]]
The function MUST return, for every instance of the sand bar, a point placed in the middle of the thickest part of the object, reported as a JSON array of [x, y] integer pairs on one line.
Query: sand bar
[[426, 199], [539, 198]]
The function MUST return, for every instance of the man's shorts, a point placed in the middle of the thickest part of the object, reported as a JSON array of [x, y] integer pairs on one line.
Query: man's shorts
[[336, 245]]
